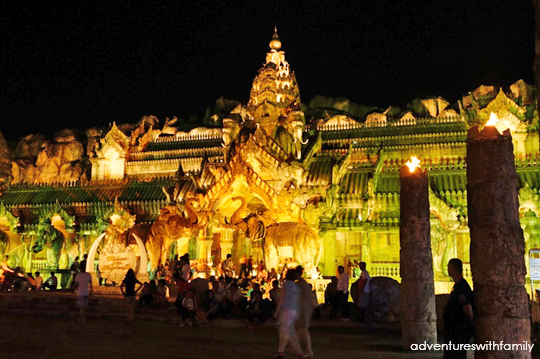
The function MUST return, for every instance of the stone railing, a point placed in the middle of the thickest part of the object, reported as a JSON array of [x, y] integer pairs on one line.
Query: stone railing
[[385, 270], [384, 122], [319, 286], [38, 264]]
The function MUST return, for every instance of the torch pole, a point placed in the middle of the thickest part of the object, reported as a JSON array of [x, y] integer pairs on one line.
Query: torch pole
[[418, 314]]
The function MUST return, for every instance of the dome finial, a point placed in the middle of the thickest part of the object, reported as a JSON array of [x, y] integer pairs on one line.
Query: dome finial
[[275, 44]]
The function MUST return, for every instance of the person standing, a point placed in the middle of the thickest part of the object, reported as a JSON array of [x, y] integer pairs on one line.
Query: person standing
[[83, 262], [243, 267], [250, 267], [308, 303], [228, 268], [287, 313], [185, 268], [458, 312], [74, 270], [363, 290], [83, 288], [129, 293], [343, 293]]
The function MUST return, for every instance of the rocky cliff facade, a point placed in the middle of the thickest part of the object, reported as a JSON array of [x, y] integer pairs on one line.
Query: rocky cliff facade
[[5, 164]]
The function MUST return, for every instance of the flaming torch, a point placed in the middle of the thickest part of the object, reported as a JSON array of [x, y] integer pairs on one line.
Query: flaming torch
[[418, 316], [497, 243]]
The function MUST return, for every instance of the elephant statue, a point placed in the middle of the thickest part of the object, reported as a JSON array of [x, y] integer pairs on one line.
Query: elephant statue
[[170, 226], [278, 239], [52, 240], [282, 236]]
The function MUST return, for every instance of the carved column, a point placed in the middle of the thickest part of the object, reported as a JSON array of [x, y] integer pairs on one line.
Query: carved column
[[329, 243], [497, 243], [366, 249], [418, 314], [203, 244]]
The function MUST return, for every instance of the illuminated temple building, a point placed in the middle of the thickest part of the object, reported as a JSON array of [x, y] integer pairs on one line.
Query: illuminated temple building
[[316, 184]]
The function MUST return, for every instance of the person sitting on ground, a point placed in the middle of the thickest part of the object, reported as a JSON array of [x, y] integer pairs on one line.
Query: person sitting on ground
[[31, 281], [213, 305], [5, 271], [219, 289], [258, 308], [39, 281], [19, 281], [235, 302], [153, 288], [262, 274], [272, 274], [211, 281], [145, 298], [52, 282], [162, 294]]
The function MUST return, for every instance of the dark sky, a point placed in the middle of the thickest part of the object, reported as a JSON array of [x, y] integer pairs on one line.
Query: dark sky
[[93, 62]]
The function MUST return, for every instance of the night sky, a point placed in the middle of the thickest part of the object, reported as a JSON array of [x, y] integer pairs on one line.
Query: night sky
[[93, 62]]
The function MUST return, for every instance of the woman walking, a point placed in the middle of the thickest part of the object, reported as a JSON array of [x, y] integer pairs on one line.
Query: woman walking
[[129, 293], [287, 313]]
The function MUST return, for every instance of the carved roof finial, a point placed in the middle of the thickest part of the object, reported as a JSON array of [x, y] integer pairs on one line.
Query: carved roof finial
[[275, 44]]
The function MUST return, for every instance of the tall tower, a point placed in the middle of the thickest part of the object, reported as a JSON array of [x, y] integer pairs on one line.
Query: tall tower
[[275, 92]]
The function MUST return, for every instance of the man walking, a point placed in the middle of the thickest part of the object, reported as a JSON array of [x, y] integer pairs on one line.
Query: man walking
[[83, 287], [458, 312], [363, 290]]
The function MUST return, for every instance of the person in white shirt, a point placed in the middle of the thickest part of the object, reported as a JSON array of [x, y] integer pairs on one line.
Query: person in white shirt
[[185, 268], [51, 283], [343, 293], [83, 287], [363, 289], [228, 268]]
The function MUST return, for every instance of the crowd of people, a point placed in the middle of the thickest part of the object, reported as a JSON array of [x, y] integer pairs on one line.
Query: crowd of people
[[253, 295]]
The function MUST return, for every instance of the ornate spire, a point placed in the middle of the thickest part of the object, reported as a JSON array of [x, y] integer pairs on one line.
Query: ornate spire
[[275, 44]]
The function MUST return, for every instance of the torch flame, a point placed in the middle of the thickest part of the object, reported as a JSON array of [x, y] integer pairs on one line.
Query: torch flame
[[413, 163], [493, 119]]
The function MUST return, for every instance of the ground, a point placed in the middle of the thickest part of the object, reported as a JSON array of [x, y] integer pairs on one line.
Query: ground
[[40, 337]]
